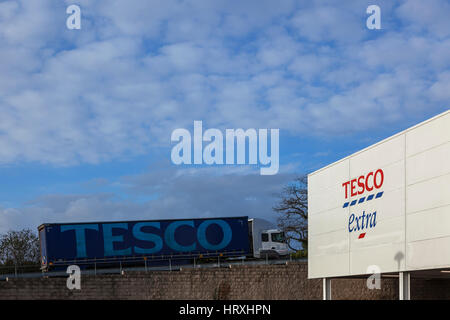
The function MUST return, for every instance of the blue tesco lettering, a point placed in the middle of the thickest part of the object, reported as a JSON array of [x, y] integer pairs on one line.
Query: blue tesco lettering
[[201, 235], [109, 239], [149, 237], [80, 236], [170, 236]]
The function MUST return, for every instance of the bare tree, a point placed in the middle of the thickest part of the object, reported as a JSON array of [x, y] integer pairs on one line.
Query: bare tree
[[292, 209], [19, 247]]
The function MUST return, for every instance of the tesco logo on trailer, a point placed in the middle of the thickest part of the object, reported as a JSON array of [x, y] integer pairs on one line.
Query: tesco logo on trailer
[[369, 183]]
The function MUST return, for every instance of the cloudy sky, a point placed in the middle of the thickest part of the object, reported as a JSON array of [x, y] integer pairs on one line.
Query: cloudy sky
[[87, 115]]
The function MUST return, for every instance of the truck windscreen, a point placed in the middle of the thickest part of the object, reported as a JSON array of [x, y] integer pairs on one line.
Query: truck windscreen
[[278, 237]]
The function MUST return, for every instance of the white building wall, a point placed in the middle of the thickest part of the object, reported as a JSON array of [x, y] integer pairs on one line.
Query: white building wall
[[412, 228], [428, 195]]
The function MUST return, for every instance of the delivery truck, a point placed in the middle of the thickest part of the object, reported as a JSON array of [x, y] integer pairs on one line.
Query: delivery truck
[[156, 241]]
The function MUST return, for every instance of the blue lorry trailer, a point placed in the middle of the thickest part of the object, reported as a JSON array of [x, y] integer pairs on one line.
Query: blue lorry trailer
[[110, 243]]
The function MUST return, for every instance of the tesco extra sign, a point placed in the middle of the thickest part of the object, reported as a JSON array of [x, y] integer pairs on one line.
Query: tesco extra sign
[[357, 191]]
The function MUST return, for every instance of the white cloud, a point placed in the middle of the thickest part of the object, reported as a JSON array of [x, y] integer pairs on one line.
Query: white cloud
[[168, 193], [137, 70], [321, 23], [429, 16], [440, 90]]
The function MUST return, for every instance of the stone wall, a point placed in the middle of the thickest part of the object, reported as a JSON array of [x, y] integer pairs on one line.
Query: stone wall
[[240, 282]]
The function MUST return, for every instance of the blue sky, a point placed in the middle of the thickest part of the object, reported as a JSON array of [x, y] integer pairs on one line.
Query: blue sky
[[86, 115]]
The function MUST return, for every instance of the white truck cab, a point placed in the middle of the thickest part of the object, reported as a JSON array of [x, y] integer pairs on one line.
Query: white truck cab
[[265, 240]]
